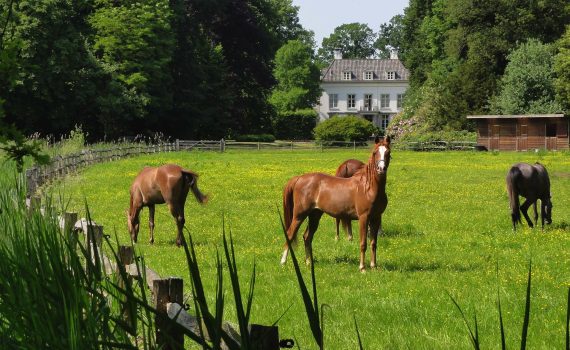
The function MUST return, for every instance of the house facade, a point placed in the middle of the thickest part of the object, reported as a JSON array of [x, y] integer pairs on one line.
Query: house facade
[[373, 89]]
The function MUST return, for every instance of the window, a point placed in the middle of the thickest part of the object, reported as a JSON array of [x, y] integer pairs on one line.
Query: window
[[367, 102], [351, 101], [400, 101], [384, 100], [347, 75], [333, 101], [391, 75], [384, 120], [368, 75]]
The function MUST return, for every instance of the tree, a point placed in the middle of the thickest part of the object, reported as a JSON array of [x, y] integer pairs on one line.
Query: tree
[[355, 40], [297, 78], [287, 26], [390, 37], [528, 83], [562, 70]]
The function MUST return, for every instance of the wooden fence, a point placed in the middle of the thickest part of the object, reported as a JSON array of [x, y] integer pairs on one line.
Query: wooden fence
[[167, 293]]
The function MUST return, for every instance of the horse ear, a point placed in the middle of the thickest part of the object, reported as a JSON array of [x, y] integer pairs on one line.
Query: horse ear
[[387, 139], [376, 140]]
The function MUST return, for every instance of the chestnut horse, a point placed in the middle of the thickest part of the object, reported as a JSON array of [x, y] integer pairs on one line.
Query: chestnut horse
[[531, 182], [158, 185], [362, 197], [346, 169]]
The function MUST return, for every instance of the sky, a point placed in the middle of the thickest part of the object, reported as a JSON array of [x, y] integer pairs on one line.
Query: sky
[[323, 16]]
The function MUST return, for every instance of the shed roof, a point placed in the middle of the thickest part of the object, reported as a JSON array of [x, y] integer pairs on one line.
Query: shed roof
[[515, 116]]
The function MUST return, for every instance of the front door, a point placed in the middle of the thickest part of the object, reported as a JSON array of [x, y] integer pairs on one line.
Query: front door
[[523, 137]]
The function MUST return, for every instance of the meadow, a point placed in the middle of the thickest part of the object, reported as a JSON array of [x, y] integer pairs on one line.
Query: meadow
[[447, 232]]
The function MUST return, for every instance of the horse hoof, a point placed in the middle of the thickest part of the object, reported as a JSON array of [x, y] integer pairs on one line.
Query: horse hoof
[[362, 269]]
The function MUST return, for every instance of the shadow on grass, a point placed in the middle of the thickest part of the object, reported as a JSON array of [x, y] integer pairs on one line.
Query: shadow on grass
[[405, 230], [563, 225]]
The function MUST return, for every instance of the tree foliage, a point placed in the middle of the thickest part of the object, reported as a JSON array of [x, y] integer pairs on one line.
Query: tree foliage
[[390, 37], [528, 83], [355, 40], [562, 70]]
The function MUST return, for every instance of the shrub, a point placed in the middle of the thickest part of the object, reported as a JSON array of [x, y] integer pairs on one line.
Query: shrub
[[295, 125], [349, 128], [255, 138]]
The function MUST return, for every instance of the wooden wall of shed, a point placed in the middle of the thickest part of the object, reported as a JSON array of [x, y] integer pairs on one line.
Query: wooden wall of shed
[[523, 134]]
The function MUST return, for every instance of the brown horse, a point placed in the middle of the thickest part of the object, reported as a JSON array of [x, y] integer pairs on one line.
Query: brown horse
[[158, 185], [362, 197], [531, 182], [346, 169]]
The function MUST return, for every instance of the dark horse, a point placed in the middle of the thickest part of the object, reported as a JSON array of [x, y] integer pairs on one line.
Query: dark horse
[[362, 197], [158, 185], [531, 182], [347, 169]]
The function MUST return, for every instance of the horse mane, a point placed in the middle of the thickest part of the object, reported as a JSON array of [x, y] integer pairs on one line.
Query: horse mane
[[366, 172]]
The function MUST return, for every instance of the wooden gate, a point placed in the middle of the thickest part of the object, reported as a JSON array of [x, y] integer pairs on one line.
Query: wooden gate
[[495, 130]]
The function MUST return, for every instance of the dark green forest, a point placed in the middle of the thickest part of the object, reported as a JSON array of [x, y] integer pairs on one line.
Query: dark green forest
[[209, 69]]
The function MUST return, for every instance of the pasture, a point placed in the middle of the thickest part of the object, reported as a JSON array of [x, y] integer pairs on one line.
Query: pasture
[[446, 229]]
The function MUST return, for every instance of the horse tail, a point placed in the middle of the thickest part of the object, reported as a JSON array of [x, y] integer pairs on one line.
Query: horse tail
[[191, 178], [512, 178], [288, 202]]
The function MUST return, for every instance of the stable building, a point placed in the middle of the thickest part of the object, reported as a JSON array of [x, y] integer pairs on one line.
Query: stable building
[[522, 132]]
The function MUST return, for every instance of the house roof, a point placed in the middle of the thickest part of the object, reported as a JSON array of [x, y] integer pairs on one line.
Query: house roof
[[357, 68], [515, 116]]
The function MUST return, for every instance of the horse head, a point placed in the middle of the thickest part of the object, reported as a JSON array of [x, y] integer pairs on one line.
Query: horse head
[[133, 225], [381, 154]]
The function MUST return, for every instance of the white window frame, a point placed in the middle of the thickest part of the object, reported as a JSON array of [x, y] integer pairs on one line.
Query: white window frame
[[368, 101], [384, 121], [400, 101], [368, 75], [346, 75], [384, 100], [350, 101], [391, 75], [333, 101]]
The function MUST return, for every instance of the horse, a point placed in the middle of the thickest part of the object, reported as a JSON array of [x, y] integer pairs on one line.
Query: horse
[[362, 197], [158, 185], [346, 169], [531, 182]]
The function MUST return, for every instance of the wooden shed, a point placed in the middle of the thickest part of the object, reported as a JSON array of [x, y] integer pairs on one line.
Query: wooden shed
[[522, 132]]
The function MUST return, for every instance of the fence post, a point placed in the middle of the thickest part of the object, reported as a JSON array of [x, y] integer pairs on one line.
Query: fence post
[[222, 145], [126, 257], [94, 241], [291, 145], [264, 337], [68, 221], [169, 290], [354, 145]]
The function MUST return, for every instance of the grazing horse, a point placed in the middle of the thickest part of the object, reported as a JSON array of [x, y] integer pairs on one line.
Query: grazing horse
[[362, 197], [531, 182], [158, 185], [347, 169]]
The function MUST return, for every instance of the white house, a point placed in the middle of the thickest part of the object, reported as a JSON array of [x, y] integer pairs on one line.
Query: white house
[[371, 88]]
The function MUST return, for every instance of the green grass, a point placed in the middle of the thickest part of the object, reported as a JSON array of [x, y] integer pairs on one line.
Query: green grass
[[446, 227]]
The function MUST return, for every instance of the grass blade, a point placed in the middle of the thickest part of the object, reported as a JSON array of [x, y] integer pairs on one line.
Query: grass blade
[[568, 322], [312, 311], [473, 337], [526, 309], [501, 323], [357, 333]]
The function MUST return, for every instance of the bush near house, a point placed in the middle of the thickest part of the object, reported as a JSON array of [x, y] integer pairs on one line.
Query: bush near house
[[349, 128], [295, 125]]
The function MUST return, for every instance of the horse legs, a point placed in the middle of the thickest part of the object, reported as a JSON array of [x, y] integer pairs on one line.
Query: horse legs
[[363, 225], [314, 219], [151, 222], [536, 213], [291, 233], [348, 224], [524, 207], [337, 221], [178, 215], [375, 226]]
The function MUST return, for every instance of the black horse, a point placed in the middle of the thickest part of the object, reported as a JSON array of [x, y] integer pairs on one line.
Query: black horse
[[531, 182]]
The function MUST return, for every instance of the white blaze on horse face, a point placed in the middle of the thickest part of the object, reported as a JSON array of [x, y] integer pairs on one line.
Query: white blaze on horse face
[[381, 167]]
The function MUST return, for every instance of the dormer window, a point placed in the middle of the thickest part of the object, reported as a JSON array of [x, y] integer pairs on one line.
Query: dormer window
[[368, 75], [347, 76], [391, 75]]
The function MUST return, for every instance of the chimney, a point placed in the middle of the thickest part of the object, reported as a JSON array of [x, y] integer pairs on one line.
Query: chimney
[[393, 54], [337, 54]]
